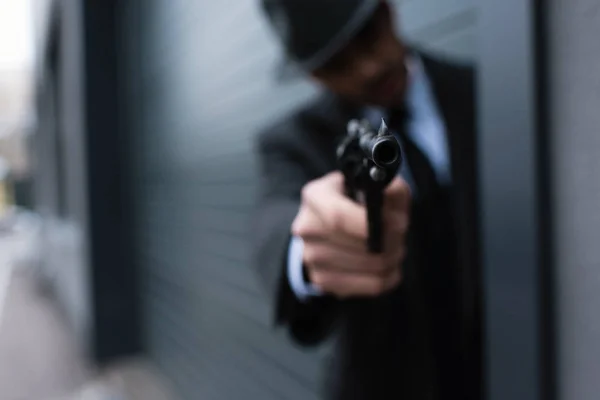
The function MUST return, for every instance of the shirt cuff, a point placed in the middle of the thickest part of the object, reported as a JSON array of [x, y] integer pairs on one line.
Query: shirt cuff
[[302, 289]]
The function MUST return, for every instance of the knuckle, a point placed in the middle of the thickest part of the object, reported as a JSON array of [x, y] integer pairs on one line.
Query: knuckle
[[404, 188], [311, 255], [379, 265], [299, 224], [401, 223], [397, 261], [399, 277], [394, 264], [313, 275], [333, 179], [318, 278], [396, 279], [397, 256], [300, 230], [307, 191], [377, 287], [305, 224], [401, 256], [397, 184], [336, 221], [296, 226]]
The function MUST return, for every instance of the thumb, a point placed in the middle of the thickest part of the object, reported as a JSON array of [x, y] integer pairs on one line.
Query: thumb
[[333, 181], [397, 195], [338, 213]]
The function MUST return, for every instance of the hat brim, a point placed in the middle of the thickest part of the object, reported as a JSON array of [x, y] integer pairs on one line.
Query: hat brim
[[289, 70]]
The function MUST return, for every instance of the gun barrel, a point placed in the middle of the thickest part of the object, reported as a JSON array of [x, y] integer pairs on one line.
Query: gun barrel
[[383, 151], [369, 160]]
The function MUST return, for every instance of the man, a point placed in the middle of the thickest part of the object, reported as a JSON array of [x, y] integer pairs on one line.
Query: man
[[408, 319]]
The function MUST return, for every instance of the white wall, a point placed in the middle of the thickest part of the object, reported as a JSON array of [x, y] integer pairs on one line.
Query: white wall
[[575, 114]]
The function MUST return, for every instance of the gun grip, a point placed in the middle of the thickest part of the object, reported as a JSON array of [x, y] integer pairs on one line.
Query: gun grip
[[374, 203]]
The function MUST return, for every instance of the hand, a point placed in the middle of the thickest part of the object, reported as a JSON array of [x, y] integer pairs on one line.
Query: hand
[[334, 230]]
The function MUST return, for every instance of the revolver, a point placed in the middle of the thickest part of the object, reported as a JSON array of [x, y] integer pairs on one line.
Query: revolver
[[369, 161]]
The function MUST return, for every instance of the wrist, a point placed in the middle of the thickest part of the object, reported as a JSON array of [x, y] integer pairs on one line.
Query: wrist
[[297, 274]]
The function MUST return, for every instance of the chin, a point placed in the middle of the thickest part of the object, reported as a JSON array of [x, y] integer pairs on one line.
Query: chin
[[391, 102], [398, 102]]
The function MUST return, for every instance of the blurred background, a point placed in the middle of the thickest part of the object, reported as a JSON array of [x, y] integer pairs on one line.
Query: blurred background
[[127, 178]]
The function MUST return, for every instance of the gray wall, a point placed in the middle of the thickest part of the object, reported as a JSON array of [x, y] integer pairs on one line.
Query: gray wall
[[79, 175], [575, 79], [199, 88], [59, 156]]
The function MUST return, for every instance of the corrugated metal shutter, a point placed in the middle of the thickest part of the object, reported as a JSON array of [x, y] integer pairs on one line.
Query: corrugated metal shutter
[[200, 87]]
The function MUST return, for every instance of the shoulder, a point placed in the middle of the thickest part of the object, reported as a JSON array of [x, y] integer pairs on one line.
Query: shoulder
[[449, 71], [454, 82], [315, 117]]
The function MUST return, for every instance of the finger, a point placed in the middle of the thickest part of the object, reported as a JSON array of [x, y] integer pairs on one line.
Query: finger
[[397, 195], [395, 256], [311, 228], [307, 224], [373, 264], [340, 215], [335, 180], [354, 285], [343, 216], [395, 227], [323, 255]]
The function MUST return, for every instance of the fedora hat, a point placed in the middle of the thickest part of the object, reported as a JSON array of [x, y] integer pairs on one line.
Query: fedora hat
[[312, 31]]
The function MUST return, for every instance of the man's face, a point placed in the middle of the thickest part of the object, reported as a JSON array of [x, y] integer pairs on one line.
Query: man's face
[[370, 69]]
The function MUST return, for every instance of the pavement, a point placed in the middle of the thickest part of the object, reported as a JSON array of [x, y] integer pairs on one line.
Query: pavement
[[39, 356]]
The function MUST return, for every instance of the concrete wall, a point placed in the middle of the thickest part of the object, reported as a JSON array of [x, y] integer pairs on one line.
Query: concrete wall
[[575, 118]]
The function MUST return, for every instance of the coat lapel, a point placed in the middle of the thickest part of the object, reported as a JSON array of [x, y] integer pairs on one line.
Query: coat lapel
[[455, 91]]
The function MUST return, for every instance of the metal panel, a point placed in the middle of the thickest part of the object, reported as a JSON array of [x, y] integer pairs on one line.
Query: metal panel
[[200, 86], [113, 276], [575, 50], [515, 201], [65, 240]]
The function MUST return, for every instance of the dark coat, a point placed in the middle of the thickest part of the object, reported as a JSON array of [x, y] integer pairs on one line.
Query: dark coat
[[423, 340]]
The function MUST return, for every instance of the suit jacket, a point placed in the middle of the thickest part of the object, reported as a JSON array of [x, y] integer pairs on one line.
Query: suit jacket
[[422, 341]]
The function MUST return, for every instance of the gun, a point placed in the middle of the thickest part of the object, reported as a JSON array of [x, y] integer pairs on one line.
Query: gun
[[369, 161]]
